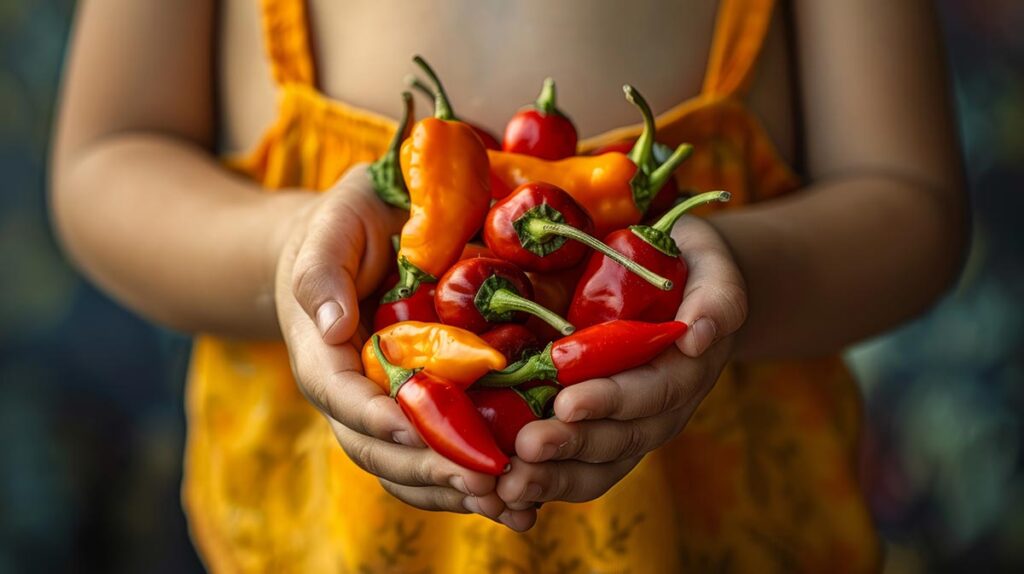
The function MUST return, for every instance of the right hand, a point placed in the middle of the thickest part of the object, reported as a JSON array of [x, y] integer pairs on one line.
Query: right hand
[[337, 251]]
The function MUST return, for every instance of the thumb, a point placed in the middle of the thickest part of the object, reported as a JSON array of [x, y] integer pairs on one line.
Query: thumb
[[322, 281], [715, 300]]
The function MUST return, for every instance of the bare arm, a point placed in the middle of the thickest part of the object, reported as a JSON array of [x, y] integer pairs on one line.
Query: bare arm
[[139, 202], [880, 231]]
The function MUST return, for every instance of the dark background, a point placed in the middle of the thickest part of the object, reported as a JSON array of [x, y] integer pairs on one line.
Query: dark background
[[91, 422]]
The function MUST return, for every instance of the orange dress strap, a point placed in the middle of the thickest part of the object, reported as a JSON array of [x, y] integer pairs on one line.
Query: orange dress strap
[[740, 30], [286, 36]]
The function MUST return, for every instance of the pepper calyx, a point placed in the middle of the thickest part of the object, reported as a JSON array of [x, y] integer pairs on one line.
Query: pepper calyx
[[538, 398], [532, 237], [397, 376], [386, 173], [410, 278], [539, 367], [657, 239]]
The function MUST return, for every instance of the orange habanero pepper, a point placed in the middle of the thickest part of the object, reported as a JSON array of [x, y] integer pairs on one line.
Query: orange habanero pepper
[[451, 353], [615, 188], [445, 168]]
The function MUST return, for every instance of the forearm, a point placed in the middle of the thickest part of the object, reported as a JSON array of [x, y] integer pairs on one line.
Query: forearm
[[161, 226], [842, 260]]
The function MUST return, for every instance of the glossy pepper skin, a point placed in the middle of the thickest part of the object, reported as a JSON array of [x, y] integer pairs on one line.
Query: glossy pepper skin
[[540, 227], [444, 417], [475, 294], [453, 354], [542, 130], [599, 351], [615, 188], [511, 340], [416, 307], [507, 411], [606, 292], [445, 169], [486, 137], [385, 173]]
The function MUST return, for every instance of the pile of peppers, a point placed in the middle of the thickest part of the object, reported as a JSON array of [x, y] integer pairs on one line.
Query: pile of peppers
[[475, 340]]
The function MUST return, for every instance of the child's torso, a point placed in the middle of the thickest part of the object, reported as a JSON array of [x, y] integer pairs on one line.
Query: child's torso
[[493, 58]]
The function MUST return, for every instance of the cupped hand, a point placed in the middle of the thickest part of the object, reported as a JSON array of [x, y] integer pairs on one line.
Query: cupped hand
[[603, 427], [336, 252]]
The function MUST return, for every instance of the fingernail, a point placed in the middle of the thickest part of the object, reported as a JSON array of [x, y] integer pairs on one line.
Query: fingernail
[[546, 452], [578, 416], [532, 493], [471, 504], [459, 484], [702, 333], [327, 315], [402, 437]]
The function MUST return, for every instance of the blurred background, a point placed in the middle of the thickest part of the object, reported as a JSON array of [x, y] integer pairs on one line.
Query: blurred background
[[91, 420]]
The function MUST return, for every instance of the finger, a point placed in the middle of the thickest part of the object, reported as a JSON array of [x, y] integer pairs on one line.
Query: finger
[[715, 301], [667, 383], [571, 481], [596, 441], [410, 466], [322, 276], [433, 498]]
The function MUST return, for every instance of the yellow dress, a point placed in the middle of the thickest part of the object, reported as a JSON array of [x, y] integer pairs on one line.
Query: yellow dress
[[762, 480]]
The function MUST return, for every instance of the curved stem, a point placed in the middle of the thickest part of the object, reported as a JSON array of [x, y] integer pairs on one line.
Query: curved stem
[[504, 301], [642, 149], [417, 84], [385, 173], [537, 368], [663, 172], [542, 228], [397, 376], [669, 219], [537, 398], [442, 106], [546, 100]]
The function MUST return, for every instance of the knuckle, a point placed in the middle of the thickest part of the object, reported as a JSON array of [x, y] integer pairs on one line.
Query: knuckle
[[308, 278]]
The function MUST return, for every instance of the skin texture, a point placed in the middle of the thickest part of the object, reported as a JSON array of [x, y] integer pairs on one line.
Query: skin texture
[[144, 209]]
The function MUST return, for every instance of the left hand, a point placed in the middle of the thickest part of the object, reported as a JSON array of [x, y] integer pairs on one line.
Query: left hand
[[603, 427]]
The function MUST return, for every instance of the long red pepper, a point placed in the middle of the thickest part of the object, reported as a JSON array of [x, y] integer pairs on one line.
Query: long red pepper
[[507, 411], [598, 351], [532, 226], [541, 130], [606, 292], [477, 293], [444, 417]]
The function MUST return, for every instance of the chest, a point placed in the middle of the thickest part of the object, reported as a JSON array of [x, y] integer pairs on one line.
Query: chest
[[493, 57]]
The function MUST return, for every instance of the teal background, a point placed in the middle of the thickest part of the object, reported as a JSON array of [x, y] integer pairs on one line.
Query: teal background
[[91, 422]]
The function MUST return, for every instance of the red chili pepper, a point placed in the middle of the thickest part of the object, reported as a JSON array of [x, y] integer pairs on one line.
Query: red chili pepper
[[444, 417], [416, 307], [606, 292], [531, 227], [542, 130], [512, 340], [486, 137], [507, 411], [598, 351], [477, 293]]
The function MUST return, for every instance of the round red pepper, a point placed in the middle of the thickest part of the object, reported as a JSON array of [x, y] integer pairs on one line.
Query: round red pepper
[[542, 130], [532, 226], [599, 351], [444, 417], [480, 292], [512, 340], [606, 292], [416, 307], [507, 411]]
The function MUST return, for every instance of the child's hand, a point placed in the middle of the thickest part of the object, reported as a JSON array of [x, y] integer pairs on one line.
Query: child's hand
[[337, 251], [603, 427]]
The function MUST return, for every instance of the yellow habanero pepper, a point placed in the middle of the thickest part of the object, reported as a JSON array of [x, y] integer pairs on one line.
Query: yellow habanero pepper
[[450, 353], [445, 168], [614, 188]]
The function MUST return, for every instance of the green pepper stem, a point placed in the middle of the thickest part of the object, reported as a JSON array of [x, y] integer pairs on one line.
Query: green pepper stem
[[546, 101], [537, 398], [442, 106], [644, 146], [542, 228], [417, 84], [537, 368], [386, 173], [504, 301], [668, 220], [397, 376]]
